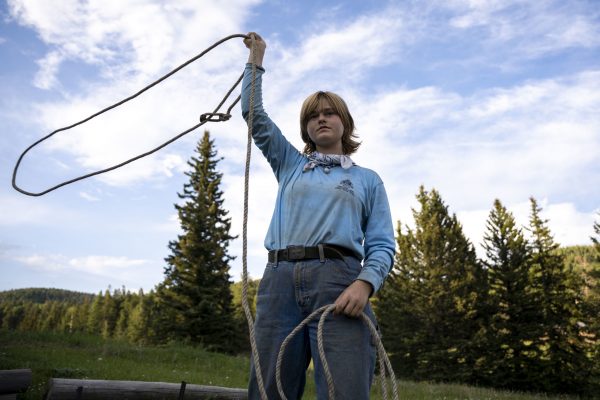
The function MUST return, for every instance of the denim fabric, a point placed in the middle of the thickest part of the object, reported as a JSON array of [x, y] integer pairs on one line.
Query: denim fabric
[[288, 293]]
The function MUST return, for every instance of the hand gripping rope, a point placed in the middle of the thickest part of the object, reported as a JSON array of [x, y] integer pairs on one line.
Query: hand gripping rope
[[216, 116]]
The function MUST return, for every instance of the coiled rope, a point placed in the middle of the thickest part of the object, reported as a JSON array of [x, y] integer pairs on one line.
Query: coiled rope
[[216, 116]]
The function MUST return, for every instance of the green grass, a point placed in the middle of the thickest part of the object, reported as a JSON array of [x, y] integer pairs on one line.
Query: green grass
[[88, 357]]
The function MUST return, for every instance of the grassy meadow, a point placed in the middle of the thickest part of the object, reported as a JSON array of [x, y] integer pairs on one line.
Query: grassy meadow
[[89, 357]]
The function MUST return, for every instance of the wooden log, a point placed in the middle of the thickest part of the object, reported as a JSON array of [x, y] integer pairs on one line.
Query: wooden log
[[66, 389], [14, 380]]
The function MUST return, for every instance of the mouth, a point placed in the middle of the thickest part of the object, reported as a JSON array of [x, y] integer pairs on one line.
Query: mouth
[[322, 128]]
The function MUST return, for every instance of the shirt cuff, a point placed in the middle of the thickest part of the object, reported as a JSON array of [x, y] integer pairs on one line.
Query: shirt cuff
[[371, 278], [249, 65]]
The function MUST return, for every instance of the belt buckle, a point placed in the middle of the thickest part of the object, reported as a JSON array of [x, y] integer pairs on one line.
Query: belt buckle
[[296, 252]]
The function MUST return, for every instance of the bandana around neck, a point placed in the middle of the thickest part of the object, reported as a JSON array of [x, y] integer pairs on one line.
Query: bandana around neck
[[327, 161]]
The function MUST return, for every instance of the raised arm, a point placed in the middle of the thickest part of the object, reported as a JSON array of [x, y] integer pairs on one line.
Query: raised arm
[[280, 154]]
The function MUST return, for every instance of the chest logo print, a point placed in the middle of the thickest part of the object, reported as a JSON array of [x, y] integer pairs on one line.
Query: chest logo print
[[346, 186]]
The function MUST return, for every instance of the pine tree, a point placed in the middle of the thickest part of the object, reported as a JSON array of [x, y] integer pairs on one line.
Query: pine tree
[[32, 317], [196, 288], [592, 311], [125, 310], [52, 311], [140, 320], [512, 354], [13, 316], [94, 318], [110, 313], [401, 307], [429, 310], [566, 367], [81, 316]]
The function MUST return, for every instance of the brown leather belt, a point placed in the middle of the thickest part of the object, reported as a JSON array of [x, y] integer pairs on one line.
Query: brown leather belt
[[294, 253]]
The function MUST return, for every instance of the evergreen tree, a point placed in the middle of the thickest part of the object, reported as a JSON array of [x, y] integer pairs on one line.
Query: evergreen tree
[[236, 291], [429, 310], [13, 316], [110, 313], [81, 316], [125, 310], [52, 312], [592, 310], [139, 327], [69, 320], [196, 288], [512, 355], [557, 289], [94, 318], [32, 317]]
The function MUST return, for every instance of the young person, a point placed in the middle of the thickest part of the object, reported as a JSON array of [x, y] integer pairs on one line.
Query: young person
[[330, 214]]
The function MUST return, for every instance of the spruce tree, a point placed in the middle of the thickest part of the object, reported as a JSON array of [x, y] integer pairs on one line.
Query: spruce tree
[[81, 316], [110, 313], [31, 321], [592, 310], [565, 365], [401, 307], [125, 311], [94, 318], [139, 329], [430, 308], [196, 288], [512, 358]]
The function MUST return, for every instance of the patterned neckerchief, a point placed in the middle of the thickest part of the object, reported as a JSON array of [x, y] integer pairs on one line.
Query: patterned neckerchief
[[327, 161]]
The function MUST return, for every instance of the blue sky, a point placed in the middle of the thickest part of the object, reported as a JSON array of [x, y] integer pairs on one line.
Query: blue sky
[[477, 99]]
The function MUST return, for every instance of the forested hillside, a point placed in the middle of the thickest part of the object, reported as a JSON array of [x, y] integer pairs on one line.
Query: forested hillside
[[42, 295]]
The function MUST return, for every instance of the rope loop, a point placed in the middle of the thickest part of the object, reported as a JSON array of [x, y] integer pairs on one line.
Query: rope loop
[[151, 85]]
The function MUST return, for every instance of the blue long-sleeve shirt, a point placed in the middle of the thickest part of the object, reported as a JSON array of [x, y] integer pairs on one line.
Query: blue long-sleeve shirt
[[345, 207]]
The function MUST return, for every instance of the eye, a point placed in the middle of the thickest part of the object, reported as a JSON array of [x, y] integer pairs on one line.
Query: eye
[[313, 115]]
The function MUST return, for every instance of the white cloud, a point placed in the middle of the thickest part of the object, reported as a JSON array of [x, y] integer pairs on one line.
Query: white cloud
[[46, 76], [569, 225], [48, 263], [88, 197], [171, 225], [19, 210], [104, 264], [93, 264], [124, 37], [532, 139], [530, 29], [375, 36]]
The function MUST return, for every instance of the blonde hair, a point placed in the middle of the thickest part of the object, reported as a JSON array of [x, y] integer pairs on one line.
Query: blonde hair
[[311, 104]]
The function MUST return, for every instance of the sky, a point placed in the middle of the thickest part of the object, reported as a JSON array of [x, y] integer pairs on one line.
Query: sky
[[480, 100]]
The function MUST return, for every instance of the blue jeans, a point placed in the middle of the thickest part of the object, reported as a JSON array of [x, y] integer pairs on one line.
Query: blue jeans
[[288, 293]]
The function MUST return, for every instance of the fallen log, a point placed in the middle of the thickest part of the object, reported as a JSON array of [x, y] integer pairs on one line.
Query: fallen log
[[14, 381], [86, 389]]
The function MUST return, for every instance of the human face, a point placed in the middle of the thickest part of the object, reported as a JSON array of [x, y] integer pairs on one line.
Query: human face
[[325, 129]]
